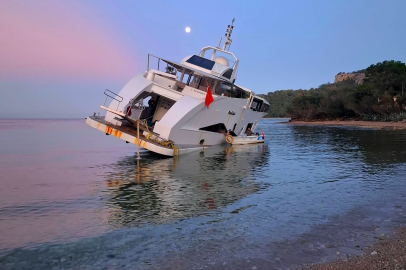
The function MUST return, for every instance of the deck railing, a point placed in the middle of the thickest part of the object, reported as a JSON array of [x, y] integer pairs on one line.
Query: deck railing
[[110, 94]]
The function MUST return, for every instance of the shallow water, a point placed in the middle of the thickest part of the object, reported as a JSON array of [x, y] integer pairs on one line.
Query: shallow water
[[73, 198]]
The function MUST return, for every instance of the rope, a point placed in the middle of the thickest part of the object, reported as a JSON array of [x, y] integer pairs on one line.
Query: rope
[[169, 144]]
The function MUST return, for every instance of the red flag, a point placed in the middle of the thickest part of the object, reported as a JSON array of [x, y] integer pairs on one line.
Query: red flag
[[263, 135], [209, 96]]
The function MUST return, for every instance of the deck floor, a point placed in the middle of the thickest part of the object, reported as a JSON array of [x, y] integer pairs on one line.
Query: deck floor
[[133, 131]]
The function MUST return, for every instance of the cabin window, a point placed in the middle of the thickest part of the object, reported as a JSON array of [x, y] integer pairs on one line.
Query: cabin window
[[245, 94], [201, 62], [264, 107], [220, 127], [256, 105], [224, 89]]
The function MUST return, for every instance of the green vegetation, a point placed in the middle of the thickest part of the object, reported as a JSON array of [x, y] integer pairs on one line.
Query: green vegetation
[[280, 101], [380, 97]]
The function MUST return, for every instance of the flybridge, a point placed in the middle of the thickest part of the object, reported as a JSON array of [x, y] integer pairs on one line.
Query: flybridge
[[218, 66]]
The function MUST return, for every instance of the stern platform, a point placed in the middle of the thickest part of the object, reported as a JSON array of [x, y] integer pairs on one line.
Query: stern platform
[[128, 134]]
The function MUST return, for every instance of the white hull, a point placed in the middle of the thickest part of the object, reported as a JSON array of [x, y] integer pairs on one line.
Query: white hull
[[131, 137]]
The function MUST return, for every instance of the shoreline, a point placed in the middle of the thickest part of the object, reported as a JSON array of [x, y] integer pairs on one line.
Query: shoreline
[[386, 253], [352, 123]]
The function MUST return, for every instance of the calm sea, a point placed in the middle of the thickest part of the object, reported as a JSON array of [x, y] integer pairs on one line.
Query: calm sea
[[73, 198]]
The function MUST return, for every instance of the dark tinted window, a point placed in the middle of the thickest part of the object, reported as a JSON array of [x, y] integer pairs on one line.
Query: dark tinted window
[[264, 108], [215, 128], [256, 105], [228, 73], [239, 93], [201, 62]]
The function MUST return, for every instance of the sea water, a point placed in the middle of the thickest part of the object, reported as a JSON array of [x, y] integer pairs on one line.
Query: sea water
[[73, 198]]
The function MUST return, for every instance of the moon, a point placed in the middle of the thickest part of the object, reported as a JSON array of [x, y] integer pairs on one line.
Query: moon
[[187, 29]]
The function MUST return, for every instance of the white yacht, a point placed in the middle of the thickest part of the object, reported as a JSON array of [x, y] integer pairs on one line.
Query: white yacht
[[178, 120]]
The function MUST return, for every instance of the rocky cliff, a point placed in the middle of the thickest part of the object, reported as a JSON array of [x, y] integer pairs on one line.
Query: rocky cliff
[[358, 77]]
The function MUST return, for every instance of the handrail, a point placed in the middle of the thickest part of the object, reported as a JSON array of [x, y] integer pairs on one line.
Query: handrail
[[113, 94], [159, 58], [116, 95]]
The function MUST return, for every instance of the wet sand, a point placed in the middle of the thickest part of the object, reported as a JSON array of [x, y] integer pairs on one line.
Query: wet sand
[[363, 124], [387, 253]]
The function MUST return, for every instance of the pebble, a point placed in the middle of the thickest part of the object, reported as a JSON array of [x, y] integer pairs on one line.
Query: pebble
[[374, 253], [338, 253]]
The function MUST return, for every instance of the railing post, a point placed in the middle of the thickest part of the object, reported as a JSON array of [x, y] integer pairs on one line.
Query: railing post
[[138, 139]]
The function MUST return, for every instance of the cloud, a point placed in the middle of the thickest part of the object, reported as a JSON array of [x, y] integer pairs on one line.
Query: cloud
[[59, 39]]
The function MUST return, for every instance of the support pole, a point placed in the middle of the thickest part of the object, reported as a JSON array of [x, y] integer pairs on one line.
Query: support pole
[[138, 139]]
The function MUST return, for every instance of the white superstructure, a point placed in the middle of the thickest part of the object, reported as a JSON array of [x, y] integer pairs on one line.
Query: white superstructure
[[181, 118]]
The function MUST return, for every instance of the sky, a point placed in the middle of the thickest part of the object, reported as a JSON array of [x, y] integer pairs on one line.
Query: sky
[[57, 57]]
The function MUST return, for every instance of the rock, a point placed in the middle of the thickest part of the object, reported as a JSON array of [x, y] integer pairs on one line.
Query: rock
[[338, 253], [374, 253], [377, 229]]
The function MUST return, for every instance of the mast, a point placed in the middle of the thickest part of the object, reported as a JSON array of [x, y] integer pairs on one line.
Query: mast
[[228, 35]]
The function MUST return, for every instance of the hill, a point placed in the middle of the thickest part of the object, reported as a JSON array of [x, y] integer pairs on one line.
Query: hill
[[377, 93]]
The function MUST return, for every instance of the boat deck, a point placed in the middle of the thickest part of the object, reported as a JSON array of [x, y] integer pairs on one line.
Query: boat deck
[[129, 134]]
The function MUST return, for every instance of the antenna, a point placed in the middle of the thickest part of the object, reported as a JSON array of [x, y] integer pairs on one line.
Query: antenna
[[220, 42], [228, 35]]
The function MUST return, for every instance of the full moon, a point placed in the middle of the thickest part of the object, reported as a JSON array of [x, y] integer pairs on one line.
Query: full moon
[[187, 29]]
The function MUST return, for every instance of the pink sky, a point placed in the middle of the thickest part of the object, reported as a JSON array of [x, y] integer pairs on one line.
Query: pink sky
[[54, 39]]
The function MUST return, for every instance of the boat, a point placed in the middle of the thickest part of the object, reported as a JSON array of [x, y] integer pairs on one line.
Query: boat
[[236, 140], [176, 108]]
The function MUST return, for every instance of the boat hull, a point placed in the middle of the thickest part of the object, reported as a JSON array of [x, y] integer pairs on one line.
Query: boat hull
[[130, 136], [247, 140]]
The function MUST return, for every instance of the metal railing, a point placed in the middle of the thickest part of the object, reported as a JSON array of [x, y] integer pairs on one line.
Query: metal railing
[[167, 69], [115, 97], [159, 60]]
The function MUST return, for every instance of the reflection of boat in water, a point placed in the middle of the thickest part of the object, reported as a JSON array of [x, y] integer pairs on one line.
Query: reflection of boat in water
[[183, 115], [156, 190]]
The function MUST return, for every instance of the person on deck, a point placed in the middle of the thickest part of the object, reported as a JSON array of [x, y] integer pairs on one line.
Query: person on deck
[[151, 104], [249, 132], [151, 108]]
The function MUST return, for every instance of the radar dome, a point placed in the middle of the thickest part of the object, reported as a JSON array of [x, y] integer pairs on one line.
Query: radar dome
[[221, 60]]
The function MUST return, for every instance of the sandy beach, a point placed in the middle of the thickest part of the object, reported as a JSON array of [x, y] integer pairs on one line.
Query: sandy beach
[[363, 124]]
